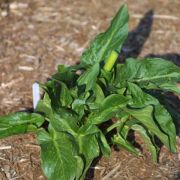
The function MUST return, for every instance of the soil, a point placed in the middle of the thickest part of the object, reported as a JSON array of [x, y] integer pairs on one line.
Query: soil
[[37, 35]]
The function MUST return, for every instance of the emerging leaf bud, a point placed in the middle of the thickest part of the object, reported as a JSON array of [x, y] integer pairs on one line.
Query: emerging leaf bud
[[110, 61]]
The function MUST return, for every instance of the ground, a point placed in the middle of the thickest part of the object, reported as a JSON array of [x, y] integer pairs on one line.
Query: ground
[[37, 35]]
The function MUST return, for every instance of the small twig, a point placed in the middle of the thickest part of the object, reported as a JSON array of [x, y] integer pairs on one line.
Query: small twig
[[25, 68], [18, 177], [5, 147], [32, 145], [3, 85], [97, 167], [111, 172], [23, 160], [3, 159], [158, 16]]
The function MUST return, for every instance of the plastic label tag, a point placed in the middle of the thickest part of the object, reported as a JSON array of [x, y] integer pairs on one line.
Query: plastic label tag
[[36, 94]]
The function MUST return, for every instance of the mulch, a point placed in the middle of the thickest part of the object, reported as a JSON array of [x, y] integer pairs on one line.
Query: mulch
[[37, 35]]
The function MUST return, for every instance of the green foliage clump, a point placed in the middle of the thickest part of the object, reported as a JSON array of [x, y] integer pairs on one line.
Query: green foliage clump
[[77, 105]]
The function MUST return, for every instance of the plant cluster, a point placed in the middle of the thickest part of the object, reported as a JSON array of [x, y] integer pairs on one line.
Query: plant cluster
[[85, 103]]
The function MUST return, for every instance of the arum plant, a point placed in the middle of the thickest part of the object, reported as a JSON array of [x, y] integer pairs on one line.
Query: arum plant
[[76, 105]]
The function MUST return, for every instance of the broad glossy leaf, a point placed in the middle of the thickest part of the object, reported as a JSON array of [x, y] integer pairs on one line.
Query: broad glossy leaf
[[78, 106], [145, 116], [162, 117], [19, 122], [139, 97], [143, 133], [88, 129], [166, 124], [52, 93], [101, 139], [88, 147], [95, 98], [89, 77], [149, 70], [109, 107], [80, 167], [101, 47], [65, 95], [44, 105], [99, 94], [63, 120], [57, 155], [170, 87], [88, 144]]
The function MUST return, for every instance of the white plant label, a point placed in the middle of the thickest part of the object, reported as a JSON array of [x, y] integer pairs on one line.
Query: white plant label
[[36, 94]]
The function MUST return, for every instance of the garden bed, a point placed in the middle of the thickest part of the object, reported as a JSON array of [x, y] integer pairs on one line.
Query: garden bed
[[36, 36]]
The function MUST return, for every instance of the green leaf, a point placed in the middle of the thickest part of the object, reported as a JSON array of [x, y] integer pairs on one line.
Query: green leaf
[[80, 167], [88, 129], [127, 126], [89, 77], [52, 93], [19, 122], [161, 115], [150, 70], [103, 144], [95, 98], [119, 124], [44, 105], [143, 133], [67, 75], [63, 120], [108, 41], [88, 144], [65, 95], [99, 94], [165, 122], [140, 99], [170, 87], [145, 117], [57, 155], [123, 143], [119, 139], [106, 77], [78, 106], [124, 131], [109, 107], [79, 99]]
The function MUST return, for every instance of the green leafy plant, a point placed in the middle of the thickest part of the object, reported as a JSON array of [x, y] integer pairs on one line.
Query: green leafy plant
[[79, 100]]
